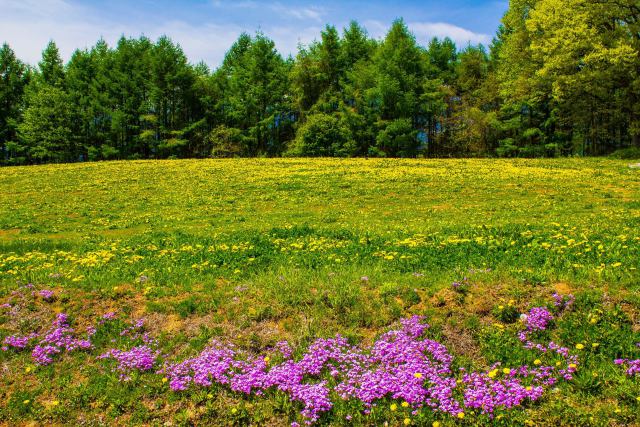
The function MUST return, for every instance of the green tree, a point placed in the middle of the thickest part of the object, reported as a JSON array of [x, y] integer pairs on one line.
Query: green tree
[[45, 133], [14, 76], [51, 67], [255, 96], [323, 135]]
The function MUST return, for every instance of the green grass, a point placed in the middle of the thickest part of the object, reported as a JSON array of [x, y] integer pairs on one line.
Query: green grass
[[256, 251]]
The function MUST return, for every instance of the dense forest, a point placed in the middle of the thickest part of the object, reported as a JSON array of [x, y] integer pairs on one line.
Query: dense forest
[[561, 77]]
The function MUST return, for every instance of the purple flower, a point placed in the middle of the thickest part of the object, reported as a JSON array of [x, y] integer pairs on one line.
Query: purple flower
[[18, 342], [538, 319], [46, 294], [563, 302], [140, 358], [632, 366]]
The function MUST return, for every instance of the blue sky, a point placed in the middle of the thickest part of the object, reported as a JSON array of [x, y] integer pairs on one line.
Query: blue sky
[[206, 28]]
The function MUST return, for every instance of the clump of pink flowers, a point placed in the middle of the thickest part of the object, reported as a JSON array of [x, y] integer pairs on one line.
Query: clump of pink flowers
[[401, 364], [57, 339], [632, 367], [46, 294], [538, 319], [141, 358], [563, 302], [17, 342]]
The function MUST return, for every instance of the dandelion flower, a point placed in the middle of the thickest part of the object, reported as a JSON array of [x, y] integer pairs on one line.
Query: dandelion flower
[[407, 421], [393, 407], [579, 346], [417, 375]]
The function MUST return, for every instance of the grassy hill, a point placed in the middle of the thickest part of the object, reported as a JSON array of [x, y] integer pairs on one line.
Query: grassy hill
[[253, 252]]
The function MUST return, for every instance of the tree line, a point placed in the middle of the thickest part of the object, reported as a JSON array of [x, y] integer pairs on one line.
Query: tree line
[[561, 77]]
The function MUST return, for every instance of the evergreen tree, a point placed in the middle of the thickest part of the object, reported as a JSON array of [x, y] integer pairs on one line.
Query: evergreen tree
[[45, 132], [14, 76], [51, 68]]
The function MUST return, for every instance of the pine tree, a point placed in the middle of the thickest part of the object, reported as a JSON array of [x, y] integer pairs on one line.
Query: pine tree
[[14, 77], [51, 68]]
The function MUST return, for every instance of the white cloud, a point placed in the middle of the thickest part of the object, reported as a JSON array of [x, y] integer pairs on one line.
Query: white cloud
[[313, 13], [425, 31]]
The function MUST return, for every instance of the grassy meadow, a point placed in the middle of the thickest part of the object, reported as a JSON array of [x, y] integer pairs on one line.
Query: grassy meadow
[[253, 252]]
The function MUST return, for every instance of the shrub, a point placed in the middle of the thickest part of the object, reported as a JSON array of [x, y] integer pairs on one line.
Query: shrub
[[629, 153], [398, 139], [323, 135]]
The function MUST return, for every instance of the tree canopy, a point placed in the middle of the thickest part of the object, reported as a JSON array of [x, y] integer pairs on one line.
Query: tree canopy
[[561, 77]]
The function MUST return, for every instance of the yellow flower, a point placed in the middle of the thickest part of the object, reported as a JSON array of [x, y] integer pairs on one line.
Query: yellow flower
[[234, 411], [26, 402], [407, 421], [165, 379], [537, 362], [435, 424], [461, 415], [267, 359], [27, 369], [492, 374], [55, 403], [417, 375], [405, 404], [573, 366], [558, 363], [393, 407], [506, 371], [579, 346], [209, 396], [501, 307], [595, 345], [529, 388]]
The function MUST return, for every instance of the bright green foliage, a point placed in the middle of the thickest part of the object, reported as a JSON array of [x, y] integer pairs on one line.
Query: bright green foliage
[[398, 139], [46, 127], [254, 83], [323, 135]]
